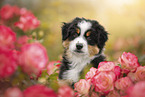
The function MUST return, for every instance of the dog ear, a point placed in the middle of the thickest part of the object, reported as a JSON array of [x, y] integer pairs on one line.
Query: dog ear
[[65, 32], [101, 35]]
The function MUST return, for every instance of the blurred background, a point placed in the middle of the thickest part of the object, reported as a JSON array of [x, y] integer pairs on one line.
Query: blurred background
[[123, 19]]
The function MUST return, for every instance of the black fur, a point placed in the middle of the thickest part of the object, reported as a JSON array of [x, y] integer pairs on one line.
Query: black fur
[[98, 37]]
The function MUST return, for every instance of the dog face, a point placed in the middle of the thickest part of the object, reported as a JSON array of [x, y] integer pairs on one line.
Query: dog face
[[84, 37]]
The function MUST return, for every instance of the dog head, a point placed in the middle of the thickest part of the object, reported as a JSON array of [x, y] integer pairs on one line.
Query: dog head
[[83, 36]]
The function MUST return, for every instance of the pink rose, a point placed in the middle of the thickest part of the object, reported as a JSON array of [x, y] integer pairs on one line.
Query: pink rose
[[140, 73], [131, 75], [39, 91], [51, 68], [7, 37], [13, 92], [103, 82], [123, 84], [129, 62], [33, 58], [82, 87], [106, 66], [65, 91], [91, 73], [113, 93], [8, 12], [109, 66], [8, 62], [27, 22], [138, 90]]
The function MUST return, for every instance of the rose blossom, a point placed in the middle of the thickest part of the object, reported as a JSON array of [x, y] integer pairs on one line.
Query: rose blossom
[[33, 58], [109, 66], [8, 12], [7, 37], [8, 62], [65, 91], [138, 90], [52, 67], [103, 82], [91, 73], [140, 73], [123, 84], [39, 91], [27, 22], [13, 92], [82, 87], [129, 62], [106, 66]]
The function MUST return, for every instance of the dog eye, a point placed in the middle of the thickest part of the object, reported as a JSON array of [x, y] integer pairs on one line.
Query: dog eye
[[88, 33]]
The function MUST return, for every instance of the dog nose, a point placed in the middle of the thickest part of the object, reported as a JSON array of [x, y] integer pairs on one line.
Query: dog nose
[[79, 46]]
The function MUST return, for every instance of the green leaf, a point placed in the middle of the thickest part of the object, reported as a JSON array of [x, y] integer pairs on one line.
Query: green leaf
[[119, 65]]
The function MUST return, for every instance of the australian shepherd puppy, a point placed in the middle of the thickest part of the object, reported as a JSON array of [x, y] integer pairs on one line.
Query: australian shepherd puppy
[[83, 42]]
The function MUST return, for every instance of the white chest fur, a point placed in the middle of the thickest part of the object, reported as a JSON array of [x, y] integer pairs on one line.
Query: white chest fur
[[78, 62]]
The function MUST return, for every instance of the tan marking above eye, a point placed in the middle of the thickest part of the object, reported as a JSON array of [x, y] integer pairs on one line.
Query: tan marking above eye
[[78, 31], [88, 33]]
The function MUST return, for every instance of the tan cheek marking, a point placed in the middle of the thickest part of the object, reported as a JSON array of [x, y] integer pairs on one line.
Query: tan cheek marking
[[88, 33], [93, 50], [78, 31], [66, 44]]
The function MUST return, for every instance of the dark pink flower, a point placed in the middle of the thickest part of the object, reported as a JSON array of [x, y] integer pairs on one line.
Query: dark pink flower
[[33, 58], [103, 82], [8, 62], [7, 37], [138, 90], [123, 84], [51, 67], [129, 62], [39, 91], [13, 92], [91, 73], [65, 91], [27, 21], [82, 87], [8, 12]]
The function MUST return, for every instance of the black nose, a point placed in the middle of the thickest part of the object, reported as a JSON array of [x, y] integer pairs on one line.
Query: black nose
[[79, 46]]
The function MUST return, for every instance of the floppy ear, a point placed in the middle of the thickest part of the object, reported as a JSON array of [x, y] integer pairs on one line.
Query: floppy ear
[[101, 35], [65, 32]]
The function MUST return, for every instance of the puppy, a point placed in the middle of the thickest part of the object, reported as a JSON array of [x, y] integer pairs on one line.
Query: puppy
[[83, 42]]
